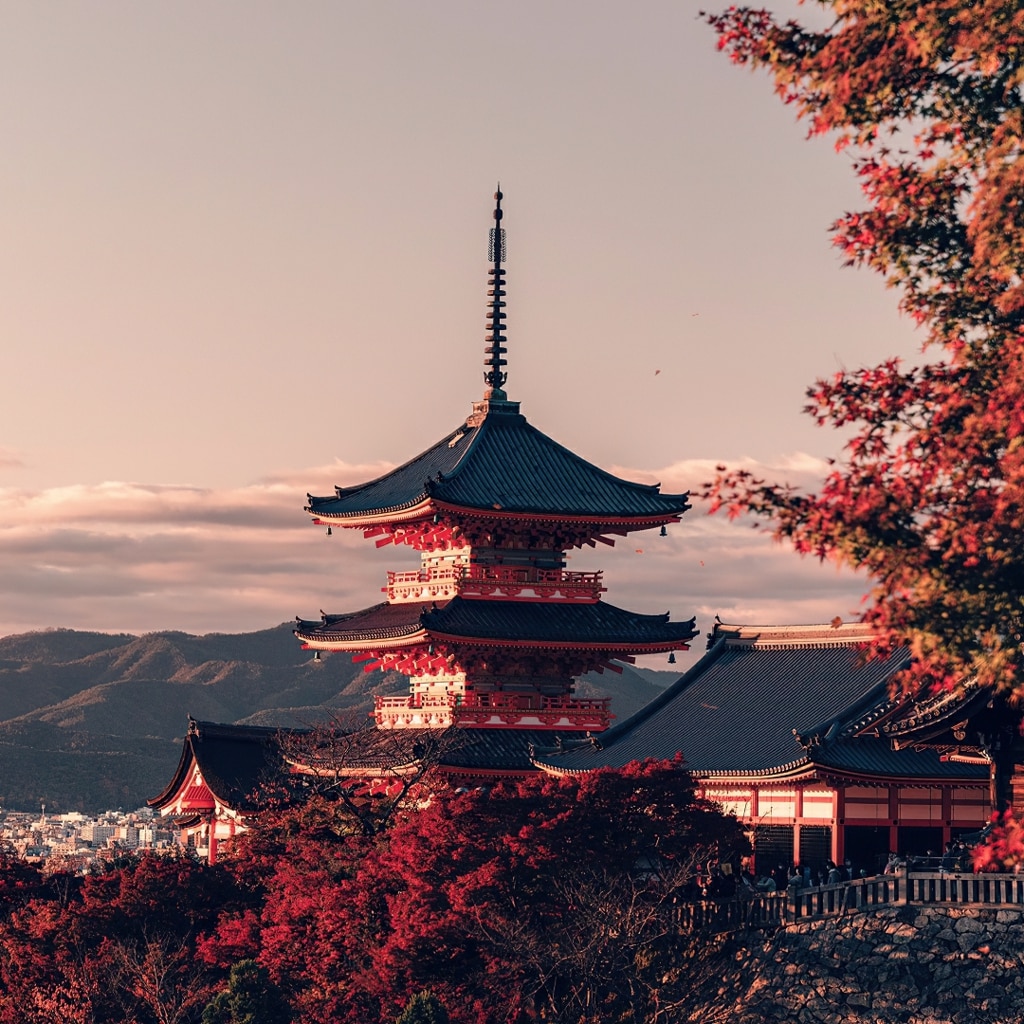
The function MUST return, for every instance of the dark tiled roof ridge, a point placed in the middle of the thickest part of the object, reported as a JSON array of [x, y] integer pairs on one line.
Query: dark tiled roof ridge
[[667, 695], [849, 720], [202, 730], [455, 435], [492, 422], [937, 708], [804, 635]]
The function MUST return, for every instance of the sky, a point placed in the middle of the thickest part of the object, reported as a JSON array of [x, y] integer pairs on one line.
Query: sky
[[243, 258]]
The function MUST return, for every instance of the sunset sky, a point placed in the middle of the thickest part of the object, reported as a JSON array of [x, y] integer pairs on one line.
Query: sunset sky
[[243, 257]]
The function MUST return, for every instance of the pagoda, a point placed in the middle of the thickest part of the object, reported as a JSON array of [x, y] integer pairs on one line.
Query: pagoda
[[492, 629]]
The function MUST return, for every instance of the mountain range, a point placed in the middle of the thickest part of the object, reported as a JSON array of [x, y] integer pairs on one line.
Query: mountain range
[[95, 721]]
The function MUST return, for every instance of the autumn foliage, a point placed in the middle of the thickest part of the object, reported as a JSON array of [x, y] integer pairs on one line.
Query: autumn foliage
[[549, 899], [1003, 848], [925, 98]]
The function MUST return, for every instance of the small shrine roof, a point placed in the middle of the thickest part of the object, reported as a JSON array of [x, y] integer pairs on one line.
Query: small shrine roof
[[555, 624], [766, 701], [498, 464], [234, 761]]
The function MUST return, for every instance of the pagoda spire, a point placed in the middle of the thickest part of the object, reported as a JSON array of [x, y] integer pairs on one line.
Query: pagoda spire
[[495, 376]]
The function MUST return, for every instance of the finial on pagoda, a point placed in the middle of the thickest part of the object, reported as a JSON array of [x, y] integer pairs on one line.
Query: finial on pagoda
[[495, 376]]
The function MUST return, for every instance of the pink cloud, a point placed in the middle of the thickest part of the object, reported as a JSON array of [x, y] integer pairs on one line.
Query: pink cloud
[[129, 557], [10, 459]]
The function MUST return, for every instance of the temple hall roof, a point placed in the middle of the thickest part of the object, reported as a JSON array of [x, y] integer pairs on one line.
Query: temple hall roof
[[552, 624], [502, 466], [234, 761], [237, 760], [768, 701]]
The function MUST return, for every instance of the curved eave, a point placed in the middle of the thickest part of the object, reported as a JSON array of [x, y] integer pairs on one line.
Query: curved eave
[[321, 641], [346, 642], [652, 647], [928, 718], [795, 770], [610, 519], [355, 770], [420, 508], [553, 626], [426, 508], [186, 762], [884, 779], [800, 768], [174, 794]]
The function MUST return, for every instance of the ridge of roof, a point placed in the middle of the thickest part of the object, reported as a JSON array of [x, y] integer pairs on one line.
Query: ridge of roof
[[667, 695], [745, 709], [839, 727], [450, 443], [804, 635], [935, 708], [497, 419]]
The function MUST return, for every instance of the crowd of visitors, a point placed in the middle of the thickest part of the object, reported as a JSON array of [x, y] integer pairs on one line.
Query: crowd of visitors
[[723, 880]]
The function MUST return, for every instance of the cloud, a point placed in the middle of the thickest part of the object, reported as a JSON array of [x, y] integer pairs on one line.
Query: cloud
[[10, 459], [798, 469], [140, 557], [129, 557]]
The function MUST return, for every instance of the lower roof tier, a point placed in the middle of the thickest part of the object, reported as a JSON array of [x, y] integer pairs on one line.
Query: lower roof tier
[[544, 625]]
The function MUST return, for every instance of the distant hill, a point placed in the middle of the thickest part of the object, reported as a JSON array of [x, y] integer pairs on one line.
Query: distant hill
[[91, 721]]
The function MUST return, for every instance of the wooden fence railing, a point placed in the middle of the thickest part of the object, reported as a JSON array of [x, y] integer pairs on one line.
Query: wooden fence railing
[[767, 911]]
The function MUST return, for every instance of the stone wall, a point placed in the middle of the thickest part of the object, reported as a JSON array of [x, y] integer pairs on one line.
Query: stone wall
[[913, 965]]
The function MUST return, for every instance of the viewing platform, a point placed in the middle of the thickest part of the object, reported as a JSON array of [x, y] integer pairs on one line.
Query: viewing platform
[[768, 911], [497, 582]]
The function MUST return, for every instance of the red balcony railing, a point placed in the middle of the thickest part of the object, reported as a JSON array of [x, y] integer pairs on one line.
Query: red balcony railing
[[509, 583], [498, 710]]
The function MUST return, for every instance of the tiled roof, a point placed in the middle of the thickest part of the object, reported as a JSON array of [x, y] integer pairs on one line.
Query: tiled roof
[[756, 704], [234, 760], [929, 714], [378, 622], [554, 623], [502, 464], [499, 749], [237, 759], [870, 755]]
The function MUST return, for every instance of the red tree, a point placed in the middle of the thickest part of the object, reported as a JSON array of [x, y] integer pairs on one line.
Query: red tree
[[541, 900], [929, 498], [116, 947]]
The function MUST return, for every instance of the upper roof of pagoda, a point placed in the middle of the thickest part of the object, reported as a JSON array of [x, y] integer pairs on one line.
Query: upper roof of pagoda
[[496, 463], [500, 465], [597, 626]]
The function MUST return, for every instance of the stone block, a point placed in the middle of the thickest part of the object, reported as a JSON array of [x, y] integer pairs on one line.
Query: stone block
[[968, 924]]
